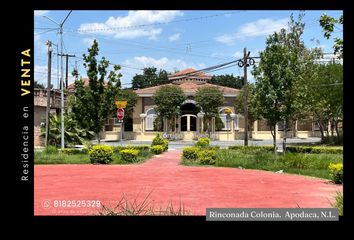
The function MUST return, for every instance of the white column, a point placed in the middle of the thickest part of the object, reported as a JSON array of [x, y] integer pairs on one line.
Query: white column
[[188, 123], [198, 120]]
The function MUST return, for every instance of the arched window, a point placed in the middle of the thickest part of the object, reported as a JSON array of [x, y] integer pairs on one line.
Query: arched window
[[151, 115]]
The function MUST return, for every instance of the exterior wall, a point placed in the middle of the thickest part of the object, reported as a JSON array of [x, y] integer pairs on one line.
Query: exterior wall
[[136, 116], [38, 140], [260, 129]]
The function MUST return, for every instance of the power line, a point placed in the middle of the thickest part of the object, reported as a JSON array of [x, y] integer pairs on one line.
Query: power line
[[155, 24]]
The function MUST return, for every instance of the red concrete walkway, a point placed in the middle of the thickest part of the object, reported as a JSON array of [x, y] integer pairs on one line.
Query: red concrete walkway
[[170, 183]]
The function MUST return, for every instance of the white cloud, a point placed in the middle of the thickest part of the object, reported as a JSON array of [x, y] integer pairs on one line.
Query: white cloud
[[38, 13], [170, 65], [261, 27], [238, 54], [122, 27], [174, 37], [162, 63], [88, 41]]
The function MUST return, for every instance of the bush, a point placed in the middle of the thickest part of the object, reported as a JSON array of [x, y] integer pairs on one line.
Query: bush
[[190, 153], [336, 172], [332, 140], [315, 149], [101, 154], [129, 155], [206, 157], [50, 149], [157, 149], [203, 142], [117, 149], [158, 140], [71, 151]]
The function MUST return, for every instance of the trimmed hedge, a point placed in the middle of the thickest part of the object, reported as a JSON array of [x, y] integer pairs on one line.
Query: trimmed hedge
[[203, 142], [158, 140], [292, 149], [251, 148], [72, 151], [190, 153], [141, 148], [207, 157], [157, 149], [315, 149], [129, 155], [336, 172], [101, 154]]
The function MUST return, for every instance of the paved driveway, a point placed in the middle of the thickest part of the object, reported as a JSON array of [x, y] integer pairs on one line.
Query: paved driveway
[[167, 182]]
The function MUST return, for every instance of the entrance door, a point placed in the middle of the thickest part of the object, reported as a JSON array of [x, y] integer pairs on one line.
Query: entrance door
[[184, 122], [192, 123]]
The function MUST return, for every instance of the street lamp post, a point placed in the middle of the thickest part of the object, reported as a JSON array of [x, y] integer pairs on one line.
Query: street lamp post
[[61, 74]]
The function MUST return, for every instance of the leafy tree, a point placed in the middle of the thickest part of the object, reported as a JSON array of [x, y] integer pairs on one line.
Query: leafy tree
[[150, 78], [39, 85], [91, 106], [168, 99], [328, 24], [253, 113], [322, 96], [73, 134], [209, 99], [227, 81], [276, 75]]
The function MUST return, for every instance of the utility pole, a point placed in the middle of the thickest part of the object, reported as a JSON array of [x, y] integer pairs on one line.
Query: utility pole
[[245, 62], [49, 43], [245, 56], [67, 63], [62, 73]]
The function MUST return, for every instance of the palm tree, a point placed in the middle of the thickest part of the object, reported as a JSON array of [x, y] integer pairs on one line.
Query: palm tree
[[72, 133]]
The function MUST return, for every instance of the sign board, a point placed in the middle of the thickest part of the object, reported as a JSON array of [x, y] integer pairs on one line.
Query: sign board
[[121, 104], [120, 121], [120, 113]]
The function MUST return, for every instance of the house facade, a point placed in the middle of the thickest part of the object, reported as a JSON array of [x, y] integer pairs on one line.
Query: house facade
[[189, 125]]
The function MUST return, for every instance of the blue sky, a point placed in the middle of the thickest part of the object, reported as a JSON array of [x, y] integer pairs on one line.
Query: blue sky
[[170, 40]]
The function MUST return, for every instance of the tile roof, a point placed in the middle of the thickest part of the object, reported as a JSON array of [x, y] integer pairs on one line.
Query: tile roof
[[187, 71], [189, 88]]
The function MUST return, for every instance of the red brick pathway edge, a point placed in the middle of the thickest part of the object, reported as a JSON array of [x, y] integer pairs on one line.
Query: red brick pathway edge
[[163, 182]]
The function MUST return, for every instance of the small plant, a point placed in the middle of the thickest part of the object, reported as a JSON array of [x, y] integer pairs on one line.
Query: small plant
[[339, 203], [101, 154], [134, 207], [203, 142], [206, 157], [157, 149], [158, 140], [129, 155], [190, 153], [50, 149], [336, 172]]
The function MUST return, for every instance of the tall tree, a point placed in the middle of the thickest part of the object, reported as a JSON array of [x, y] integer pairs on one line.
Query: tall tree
[[227, 80], [328, 24], [253, 113], [39, 85], [93, 104], [281, 64], [168, 99], [149, 78], [209, 99]]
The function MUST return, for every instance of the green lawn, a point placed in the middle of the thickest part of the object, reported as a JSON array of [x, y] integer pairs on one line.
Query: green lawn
[[315, 165], [81, 158]]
